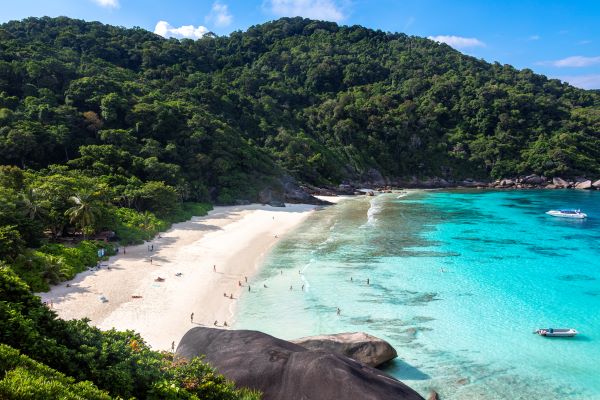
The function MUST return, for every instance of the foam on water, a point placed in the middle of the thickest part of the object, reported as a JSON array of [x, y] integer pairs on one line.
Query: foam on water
[[375, 206], [458, 280]]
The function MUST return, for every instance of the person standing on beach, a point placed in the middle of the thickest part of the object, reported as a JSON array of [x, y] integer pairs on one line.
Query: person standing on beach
[[152, 248], [173, 346], [214, 268], [246, 278], [124, 251], [368, 281], [339, 311], [248, 287], [150, 260], [192, 318]]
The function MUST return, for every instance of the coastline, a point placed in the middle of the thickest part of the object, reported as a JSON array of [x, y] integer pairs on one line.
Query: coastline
[[235, 239]]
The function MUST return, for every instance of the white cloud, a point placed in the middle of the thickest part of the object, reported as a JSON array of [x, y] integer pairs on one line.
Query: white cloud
[[164, 29], [534, 37], [219, 15], [317, 9], [107, 3], [458, 42], [583, 81], [574, 61]]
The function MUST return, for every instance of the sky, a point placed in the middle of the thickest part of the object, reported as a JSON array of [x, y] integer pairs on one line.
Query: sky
[[558, 38]]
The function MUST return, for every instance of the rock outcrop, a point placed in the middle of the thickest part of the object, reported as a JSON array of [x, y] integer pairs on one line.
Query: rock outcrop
[[373, 177], [287, 190], [533, 180], [584, 185], [359, 346], [286, 371], [560, 183], [596, 184], [506, 183]]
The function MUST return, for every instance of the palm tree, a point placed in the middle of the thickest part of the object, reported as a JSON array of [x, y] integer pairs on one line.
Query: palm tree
[[84, 212], [147, 224], [32, 206], [55, 270]]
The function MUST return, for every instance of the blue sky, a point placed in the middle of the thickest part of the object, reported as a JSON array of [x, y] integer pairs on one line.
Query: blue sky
[[560, 39]]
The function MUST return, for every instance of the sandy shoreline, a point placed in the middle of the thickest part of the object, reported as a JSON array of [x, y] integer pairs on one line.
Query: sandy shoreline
[[235, 239]]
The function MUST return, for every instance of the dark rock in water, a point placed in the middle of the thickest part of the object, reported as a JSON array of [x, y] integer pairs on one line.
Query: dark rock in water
[[463, 381], [286, 371], [576, 277], [358, 346], [276, 203]]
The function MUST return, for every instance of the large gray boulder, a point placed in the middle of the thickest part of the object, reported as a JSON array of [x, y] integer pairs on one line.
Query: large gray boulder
[[358, 346], [584, 185], [560, 183], [534, 179], [286, 371], [373, 177]]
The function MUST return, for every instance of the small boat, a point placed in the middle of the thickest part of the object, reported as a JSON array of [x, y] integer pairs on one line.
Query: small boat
[[560, 332], [567, 214]]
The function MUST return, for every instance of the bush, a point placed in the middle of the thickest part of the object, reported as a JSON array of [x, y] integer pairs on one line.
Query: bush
[[77, 258], [197, 380], [11, 243], [134, 227], [189, 210], [25, 379]]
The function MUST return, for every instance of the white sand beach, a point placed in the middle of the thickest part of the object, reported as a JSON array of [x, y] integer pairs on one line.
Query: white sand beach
[[234, 239]]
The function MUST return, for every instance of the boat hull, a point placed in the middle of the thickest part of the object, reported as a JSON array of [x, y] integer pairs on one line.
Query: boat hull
[[562, 215], [556, 332]]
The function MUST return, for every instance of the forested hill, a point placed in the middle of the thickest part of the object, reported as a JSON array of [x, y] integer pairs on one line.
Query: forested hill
[[220, 116]]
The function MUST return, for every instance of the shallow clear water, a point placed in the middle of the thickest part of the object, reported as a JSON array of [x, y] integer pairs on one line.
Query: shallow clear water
[[458, 282]]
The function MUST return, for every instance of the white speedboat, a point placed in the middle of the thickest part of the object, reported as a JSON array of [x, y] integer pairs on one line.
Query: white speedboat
[[552, 332], [567, 214]]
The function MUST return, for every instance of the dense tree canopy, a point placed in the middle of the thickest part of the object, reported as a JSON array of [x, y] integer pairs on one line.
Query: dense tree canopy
[[221, 115]]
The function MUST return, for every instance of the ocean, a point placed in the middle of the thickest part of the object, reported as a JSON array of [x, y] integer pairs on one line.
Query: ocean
[[457, 282]]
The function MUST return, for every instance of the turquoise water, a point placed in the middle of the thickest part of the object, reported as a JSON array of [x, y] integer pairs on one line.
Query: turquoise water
[[458, 282]]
